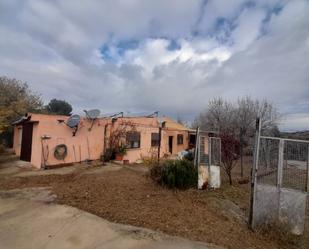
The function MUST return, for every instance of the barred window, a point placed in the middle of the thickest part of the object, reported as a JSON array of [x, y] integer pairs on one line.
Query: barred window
[[179, 139], [133, 139], [155, 140]]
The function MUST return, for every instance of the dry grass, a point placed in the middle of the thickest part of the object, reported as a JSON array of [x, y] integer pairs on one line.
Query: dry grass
[[131, 197]]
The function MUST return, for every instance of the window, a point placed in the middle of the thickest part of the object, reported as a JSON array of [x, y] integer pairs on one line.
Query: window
[[133, 139], [179, 139], [192, 139], [155, 139]]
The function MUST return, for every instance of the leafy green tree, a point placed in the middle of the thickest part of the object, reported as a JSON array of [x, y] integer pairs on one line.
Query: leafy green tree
[[61, 107], [16, 99]]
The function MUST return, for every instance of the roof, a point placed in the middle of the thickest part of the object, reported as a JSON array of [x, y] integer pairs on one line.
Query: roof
[[150, 121], [173, 125]]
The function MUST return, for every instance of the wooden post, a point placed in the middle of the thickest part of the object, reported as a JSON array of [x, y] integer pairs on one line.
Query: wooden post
[[254, 170]]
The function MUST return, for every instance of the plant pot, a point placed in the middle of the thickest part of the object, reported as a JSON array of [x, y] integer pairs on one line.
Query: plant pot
[[119, 157]]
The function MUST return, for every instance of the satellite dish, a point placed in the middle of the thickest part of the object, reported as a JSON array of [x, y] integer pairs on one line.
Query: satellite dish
[[73, 121], [92, 114]]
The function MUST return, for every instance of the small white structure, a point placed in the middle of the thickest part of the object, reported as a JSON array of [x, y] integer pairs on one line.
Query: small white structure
[[208, 155]]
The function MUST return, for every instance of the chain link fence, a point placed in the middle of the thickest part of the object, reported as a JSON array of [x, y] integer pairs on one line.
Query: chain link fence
[[215, 151], [280, 183]]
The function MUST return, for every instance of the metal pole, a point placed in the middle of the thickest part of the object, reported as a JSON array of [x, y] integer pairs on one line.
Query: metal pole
[[308, 169], [241, 153], [196, 147], [220, 152], [279, 173], [280, 164], [159, 147], [254, 170], [210, 159]]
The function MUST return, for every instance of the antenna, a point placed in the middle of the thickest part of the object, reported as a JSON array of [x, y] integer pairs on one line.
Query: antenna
[[92, 114], [117, 114], [155, 114]]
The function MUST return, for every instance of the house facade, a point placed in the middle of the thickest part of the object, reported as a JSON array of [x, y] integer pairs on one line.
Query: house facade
[[46, 140]]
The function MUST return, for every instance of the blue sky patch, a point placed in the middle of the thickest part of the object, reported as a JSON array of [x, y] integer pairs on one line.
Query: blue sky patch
[[174, 45], [112, 52]]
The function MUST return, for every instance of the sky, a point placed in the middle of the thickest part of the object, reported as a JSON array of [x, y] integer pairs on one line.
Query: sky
[[141, 56]]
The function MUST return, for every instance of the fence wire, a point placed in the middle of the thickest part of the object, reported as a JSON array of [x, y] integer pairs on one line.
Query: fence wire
[[295, 165], [268, 161], [282, 183], [215, 151]]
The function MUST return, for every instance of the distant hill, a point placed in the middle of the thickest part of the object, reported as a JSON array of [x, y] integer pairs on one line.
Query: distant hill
[[303, 135]]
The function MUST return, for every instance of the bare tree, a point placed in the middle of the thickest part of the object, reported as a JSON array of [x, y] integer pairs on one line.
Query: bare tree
[[238, 119], [269, 116], [247, 112], [229, 153], [219, 116]]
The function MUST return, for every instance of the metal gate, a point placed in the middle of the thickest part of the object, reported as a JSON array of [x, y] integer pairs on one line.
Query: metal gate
[[208, 160], [280, 182]]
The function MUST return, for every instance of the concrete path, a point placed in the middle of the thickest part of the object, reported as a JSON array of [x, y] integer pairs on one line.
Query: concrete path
[[29, 220]]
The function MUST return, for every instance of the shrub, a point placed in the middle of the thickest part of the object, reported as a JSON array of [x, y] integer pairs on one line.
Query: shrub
[[149, 161], [179, 174], [152, 160], [109, 155]]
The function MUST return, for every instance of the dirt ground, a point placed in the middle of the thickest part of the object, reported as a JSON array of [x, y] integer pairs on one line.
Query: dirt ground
[[128, 195]]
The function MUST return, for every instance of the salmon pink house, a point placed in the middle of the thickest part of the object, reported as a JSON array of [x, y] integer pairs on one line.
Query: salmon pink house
[[47, 140]]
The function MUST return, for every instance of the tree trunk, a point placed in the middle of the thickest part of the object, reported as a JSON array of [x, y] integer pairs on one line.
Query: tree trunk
[[241, 139], [230, 178]]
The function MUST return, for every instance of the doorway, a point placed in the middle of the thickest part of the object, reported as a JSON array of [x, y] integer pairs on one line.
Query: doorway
[[26, 142], [170, 144]]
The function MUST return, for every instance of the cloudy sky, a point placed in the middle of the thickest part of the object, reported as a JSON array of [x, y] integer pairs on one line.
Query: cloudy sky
[[140, 56]]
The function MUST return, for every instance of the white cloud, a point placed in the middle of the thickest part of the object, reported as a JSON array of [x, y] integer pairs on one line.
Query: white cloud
[[153, 53], [55, 46], [295, 122], [248, 28]]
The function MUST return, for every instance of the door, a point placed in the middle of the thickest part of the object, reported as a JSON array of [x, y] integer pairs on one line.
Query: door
[[26, 142], [170, 144]]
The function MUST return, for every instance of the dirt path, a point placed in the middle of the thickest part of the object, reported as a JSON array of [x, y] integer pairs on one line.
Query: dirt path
[[29, 221]]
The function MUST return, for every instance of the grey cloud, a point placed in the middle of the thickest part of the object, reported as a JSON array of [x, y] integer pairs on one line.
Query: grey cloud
[[55, 47]]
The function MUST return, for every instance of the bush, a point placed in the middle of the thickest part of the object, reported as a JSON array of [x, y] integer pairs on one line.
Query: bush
[[179, 174], [109, 155], [152, 160], [149, 161]]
